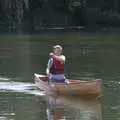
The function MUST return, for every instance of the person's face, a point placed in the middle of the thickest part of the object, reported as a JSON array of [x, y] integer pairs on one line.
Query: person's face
[[57, 51]]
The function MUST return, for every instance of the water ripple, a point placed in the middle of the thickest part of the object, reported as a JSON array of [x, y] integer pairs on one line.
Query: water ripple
[[4, 79], [24, 87]]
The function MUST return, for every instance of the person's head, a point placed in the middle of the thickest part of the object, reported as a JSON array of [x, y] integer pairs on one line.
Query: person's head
[[57, 49]]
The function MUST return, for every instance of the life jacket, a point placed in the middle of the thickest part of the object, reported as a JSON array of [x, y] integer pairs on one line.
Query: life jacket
[[57, 67]]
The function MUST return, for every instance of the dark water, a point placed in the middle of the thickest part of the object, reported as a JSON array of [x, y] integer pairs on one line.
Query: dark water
[[87, 58]]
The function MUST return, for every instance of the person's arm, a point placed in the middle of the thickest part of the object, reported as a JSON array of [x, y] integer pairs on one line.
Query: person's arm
[[47, 71], [48, 67], [60, 58]]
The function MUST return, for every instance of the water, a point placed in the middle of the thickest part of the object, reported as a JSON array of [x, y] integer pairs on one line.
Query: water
[[87, 58]]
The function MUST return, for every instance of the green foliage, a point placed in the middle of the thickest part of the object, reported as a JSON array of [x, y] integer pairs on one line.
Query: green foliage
[[19, 15], [82, 3]]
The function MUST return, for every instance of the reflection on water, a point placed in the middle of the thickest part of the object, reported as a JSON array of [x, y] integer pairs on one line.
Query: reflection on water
[[61, 107]]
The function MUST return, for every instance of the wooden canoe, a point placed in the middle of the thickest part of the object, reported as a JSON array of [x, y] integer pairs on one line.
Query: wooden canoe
[[72, 87]]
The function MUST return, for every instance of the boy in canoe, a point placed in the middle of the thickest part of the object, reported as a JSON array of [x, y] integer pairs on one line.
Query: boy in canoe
[[55, 66]]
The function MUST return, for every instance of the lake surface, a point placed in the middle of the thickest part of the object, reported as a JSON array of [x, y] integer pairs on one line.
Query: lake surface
[[88, 57]]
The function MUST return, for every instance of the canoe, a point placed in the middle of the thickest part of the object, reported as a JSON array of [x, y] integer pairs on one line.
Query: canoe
[[71, 87]]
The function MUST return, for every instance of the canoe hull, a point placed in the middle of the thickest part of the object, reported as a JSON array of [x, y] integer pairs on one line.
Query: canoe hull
[[74, 87]]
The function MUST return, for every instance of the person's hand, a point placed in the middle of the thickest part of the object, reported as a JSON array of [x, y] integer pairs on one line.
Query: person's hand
[[49, 75], [51, 55]]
